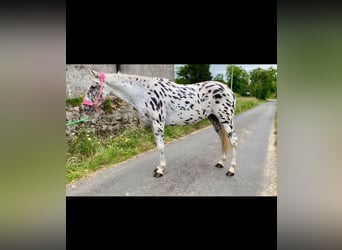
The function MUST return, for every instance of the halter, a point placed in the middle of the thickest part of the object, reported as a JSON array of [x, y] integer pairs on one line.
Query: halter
[[99, 97]]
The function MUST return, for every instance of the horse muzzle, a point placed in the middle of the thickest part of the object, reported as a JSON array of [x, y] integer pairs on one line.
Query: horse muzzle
[[88, 107]]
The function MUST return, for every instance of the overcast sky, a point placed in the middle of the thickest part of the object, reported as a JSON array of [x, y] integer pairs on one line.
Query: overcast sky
[[222, 68]]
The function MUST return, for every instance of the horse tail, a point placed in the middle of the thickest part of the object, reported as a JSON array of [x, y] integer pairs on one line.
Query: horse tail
[[226, 145]]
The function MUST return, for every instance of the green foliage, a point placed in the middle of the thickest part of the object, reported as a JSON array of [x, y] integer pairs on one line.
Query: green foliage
[[181, 81], [219, 78], [245, 103], [192, 73], [74, 102], [240, 79], [107, 106], [263, 83]]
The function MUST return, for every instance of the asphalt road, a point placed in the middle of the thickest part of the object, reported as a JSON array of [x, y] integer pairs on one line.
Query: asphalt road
[[190, 165]]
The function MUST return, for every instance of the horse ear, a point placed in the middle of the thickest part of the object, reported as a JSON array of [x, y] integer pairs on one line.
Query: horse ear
[[93, 72]]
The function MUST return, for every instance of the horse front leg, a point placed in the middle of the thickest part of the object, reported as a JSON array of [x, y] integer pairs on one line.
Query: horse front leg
[[158, 130]]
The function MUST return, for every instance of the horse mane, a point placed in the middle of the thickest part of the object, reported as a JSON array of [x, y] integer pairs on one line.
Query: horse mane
[[140, 77]]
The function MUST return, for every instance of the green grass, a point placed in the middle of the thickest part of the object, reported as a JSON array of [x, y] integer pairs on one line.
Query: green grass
[[245, 103], [88, 153], [74, 102]]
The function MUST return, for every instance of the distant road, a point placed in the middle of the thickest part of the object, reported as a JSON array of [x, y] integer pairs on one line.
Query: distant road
[[190, 165]]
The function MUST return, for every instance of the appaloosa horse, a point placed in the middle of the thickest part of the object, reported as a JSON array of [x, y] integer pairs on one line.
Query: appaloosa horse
[[161, 102]]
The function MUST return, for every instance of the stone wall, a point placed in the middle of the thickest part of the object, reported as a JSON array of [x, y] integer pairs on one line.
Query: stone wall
[[102, 124], [123, 116]]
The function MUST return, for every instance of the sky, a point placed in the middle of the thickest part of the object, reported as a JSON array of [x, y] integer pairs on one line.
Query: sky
[[221, 68]]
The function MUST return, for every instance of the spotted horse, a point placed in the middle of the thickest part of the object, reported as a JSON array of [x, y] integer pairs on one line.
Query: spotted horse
[[161, 102]]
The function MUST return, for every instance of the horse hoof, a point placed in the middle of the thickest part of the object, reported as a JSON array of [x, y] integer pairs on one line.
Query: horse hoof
[[157, 175], [218, 165], [230, 173]]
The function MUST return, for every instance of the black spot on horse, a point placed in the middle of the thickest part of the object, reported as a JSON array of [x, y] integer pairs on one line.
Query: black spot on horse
[[217, 96], [155, 92], [155, 101], [209, 86], [217, 102], [215, 91], [160, 104], [162, 89], [191, 106], [152, 106]]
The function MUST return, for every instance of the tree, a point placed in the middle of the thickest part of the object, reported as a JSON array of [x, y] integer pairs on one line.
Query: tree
[[263, 82], [240, 79], [219, 78], [192, 73]]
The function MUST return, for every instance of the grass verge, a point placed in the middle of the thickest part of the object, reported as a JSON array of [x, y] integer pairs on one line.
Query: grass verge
[[88, 153]]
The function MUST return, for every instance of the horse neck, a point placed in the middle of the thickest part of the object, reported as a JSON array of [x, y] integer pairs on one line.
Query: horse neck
[[126, 87]]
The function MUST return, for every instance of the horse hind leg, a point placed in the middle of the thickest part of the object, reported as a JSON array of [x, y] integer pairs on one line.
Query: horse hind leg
[[233, 140], [224, 140]]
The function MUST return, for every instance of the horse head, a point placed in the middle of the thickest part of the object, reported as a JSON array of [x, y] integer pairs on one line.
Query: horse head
[[94, 96]]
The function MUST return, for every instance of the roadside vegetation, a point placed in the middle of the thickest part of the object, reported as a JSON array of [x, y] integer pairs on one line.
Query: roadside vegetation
[[89, 153]]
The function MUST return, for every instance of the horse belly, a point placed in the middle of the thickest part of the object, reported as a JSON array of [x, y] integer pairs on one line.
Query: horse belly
[[185, 116]]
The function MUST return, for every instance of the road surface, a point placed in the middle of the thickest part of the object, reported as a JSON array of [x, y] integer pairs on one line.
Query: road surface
[[190, 165]]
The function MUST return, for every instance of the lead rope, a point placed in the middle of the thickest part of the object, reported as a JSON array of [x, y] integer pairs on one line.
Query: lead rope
[[99, 97]]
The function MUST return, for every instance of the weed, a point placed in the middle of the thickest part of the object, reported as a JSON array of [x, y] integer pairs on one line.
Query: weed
[[74, 102]]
